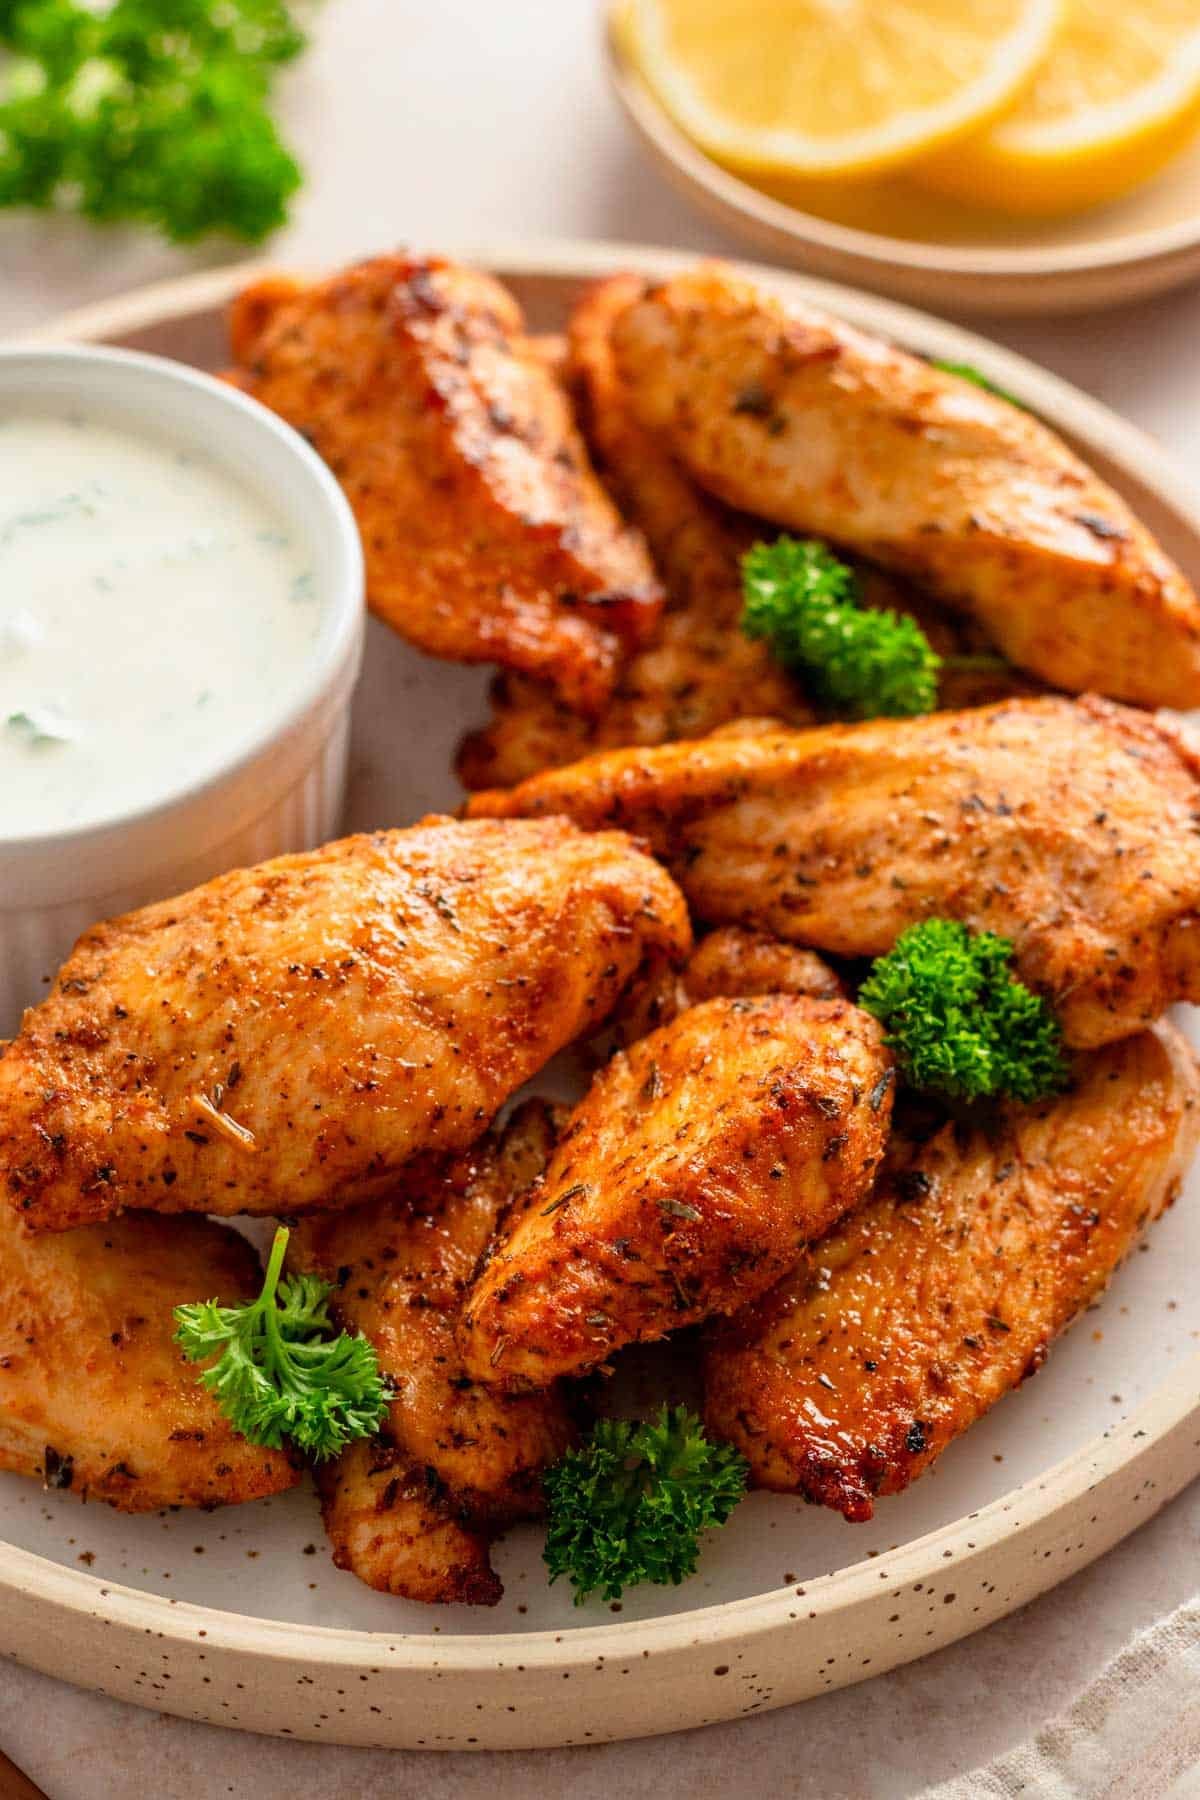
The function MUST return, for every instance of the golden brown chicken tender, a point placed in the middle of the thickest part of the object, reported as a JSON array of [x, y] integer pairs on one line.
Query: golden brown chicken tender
[[738, 962], [916, 1314], [1066, 826], [460, 1456], [700, 670], [95, 1395], [486, 533], [400, 1532], [687, 1180], [288, 1037], [779, 409], [734, 962]]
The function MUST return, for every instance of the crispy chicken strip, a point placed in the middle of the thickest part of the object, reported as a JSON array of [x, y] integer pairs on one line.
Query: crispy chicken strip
[[94, 1394], [550, 349], [701, 671], [688, 1179], [911, 1319], [487, 535], [739, 962], [734, 962], [401, 1267], [400, 1532], [1069, 827], [287, 1037], [778, 408]]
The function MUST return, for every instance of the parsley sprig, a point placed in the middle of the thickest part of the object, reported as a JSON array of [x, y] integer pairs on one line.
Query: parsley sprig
[[859, 663], [968, 372], [962, 1026], [630, 1504], [279, 1370], [149, 110]]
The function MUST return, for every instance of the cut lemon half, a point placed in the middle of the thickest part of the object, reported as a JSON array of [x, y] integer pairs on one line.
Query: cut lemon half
[[832, 89], [1117, 96]]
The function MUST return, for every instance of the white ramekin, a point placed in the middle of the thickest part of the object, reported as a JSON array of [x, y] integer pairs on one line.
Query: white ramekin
[[286, 791]]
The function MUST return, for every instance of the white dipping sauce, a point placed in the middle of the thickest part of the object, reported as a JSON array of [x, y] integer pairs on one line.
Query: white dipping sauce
[[156, 615]]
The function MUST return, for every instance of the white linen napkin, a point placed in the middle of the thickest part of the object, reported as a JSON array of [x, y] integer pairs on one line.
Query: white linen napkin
[[1134, 1732]]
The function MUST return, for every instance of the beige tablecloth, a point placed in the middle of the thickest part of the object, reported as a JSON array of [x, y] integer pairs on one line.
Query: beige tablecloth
[[1134, 1732]]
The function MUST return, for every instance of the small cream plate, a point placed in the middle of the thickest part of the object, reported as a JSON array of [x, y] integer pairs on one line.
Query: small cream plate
[[949, 257]]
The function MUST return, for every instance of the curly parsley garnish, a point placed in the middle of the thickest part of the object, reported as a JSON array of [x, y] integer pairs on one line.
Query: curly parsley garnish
[[280, 1370], [630, 1504], [859, 663], [150, 110], [962, 1026]]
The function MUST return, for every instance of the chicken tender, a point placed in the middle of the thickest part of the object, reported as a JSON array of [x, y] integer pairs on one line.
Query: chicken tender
[[738, 962], [458, 1459], [733, 962], [486, 533], [1069, 827], [915, 1315], [775, 407], [700, 670], [95, 1395], [688, 1179], [398, 1531], [288, 1037]]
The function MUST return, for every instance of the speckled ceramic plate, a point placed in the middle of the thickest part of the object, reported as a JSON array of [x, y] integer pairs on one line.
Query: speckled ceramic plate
[[238, 1617]]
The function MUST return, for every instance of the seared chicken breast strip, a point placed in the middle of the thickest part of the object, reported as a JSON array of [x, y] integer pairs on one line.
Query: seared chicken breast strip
[[487, 535], [700, 671], [777, 408], [288, 1037], [733, 962], [400, 1532], [687, 1180], [916, 1314], [1069, 827], [95, 1395], [738, 962], [456, 1459]]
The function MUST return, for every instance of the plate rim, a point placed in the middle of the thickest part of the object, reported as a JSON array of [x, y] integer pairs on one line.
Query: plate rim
[[1145, 248], [1173, 1404]]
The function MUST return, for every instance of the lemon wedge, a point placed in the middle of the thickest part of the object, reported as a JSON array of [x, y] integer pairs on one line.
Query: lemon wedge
[[1117, 96], [833, 89]]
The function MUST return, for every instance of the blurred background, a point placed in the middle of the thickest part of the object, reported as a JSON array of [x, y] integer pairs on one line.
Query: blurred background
[[450, 124], [463, 124]]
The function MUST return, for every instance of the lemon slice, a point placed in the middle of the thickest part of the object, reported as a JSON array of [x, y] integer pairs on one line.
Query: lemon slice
[[1118, 94], [828, 89]]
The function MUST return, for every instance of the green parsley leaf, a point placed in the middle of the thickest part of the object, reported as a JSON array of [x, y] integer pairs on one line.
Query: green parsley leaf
[[962, 1026], [148, 110], [968, 372], [630, 1504], [279, 1370], [858, 662]]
